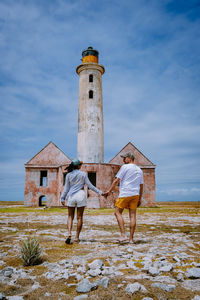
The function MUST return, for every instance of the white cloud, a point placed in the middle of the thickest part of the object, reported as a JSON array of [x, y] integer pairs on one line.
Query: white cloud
[[182, 191]]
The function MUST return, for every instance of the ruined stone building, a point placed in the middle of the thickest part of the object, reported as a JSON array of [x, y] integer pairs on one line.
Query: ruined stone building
[[45, 175]]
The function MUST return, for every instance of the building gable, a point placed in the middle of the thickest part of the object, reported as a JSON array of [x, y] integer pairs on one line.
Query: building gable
[[140, 158], [50, 155]]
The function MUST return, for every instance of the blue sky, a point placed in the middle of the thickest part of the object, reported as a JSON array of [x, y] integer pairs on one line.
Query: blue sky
[[150, 50]]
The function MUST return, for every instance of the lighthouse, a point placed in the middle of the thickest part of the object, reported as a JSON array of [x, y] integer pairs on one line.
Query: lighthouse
[[90, 110]]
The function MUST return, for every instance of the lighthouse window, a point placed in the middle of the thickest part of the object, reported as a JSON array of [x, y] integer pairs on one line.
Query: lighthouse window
[[91, 94], [90, 78], [92, 177]]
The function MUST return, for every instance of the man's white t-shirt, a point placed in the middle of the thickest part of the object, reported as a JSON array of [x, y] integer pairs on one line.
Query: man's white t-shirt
[[131, 176]]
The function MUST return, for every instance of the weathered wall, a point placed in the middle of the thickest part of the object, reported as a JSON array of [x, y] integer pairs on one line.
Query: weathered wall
[[149, 193], [105, 174], [33, 190], [49, 158]]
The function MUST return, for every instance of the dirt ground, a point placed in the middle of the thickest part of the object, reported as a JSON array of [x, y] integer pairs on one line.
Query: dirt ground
[[169, 232]]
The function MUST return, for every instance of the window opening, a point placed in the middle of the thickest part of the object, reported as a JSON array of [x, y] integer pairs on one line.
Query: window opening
[[43, 178], [90, 78], [91, 94], [42, 201], [92, 177], [64, 178]]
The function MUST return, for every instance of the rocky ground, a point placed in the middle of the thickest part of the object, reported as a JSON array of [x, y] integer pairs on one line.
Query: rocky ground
[[164, 262]]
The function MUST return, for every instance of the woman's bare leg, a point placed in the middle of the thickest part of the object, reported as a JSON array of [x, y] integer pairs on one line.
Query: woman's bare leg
[[70, 219], [80, 211]]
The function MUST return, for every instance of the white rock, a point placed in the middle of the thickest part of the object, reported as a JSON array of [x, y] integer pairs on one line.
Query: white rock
[[71, 284], [94, 272], [197, 297], [176, 259], [130, 250], [165, 279], [35, 286], [2, 297], [147, 298], [81, 269], [64, 262], [85, 286], [7, 272], [65, 275], [153, 271], [183, 256], [121, 266], [193, 273], [117, 273], [166, 268], [96, 264], [131, 264], [79, 277], [193, 285], [103, 282], [80, 297], [165, 287], [135, 287], [180, 277], [108, 271], [15, 298], [49, 275]]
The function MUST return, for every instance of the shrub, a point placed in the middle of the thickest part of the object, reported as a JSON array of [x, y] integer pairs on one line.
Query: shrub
[[31, 251]]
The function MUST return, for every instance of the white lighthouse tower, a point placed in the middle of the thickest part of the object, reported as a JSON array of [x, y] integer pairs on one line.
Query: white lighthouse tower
[[90, 112]]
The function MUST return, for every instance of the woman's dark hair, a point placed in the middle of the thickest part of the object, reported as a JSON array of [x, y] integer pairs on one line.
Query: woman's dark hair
[[71, 167]]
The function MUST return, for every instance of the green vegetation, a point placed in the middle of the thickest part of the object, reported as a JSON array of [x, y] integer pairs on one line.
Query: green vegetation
[[31, 252]]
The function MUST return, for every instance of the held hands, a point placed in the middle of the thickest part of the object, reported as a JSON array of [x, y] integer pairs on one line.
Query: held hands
[[105, 194], [63, 203]]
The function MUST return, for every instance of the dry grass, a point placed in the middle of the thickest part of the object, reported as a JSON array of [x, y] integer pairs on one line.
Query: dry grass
[[55, 250]]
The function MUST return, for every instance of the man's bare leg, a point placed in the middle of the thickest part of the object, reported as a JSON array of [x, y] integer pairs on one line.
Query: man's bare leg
[[70, 219], [132, 216], [80, 211], [120, 220]]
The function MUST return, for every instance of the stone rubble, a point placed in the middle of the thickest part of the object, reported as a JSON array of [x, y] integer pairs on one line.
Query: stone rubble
[[164, 261], [165, 287], [135, 287], [193, 273]]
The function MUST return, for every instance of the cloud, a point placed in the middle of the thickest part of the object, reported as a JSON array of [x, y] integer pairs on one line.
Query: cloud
[[182, 191]]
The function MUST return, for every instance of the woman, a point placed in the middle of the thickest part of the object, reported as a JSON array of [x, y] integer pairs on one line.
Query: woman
[[75, 195]]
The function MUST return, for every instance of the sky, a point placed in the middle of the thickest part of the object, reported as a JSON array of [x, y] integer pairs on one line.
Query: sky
[[151, 86]]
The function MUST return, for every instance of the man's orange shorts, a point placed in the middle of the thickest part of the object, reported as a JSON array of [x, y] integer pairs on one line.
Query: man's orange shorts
[[127, 202]]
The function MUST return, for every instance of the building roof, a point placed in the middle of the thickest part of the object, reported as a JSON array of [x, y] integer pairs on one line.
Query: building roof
[[140, 158], [50, 155]]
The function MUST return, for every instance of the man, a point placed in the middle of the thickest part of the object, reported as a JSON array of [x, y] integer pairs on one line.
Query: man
[[130, 179]]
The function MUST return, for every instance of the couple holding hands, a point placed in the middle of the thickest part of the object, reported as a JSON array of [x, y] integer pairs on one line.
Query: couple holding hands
[[130, 180]]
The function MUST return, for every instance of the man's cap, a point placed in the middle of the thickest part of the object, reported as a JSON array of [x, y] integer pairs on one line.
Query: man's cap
[[76, 162], [130, 155]]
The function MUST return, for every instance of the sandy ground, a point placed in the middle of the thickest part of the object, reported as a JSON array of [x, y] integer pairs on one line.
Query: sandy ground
[[166, 239]]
